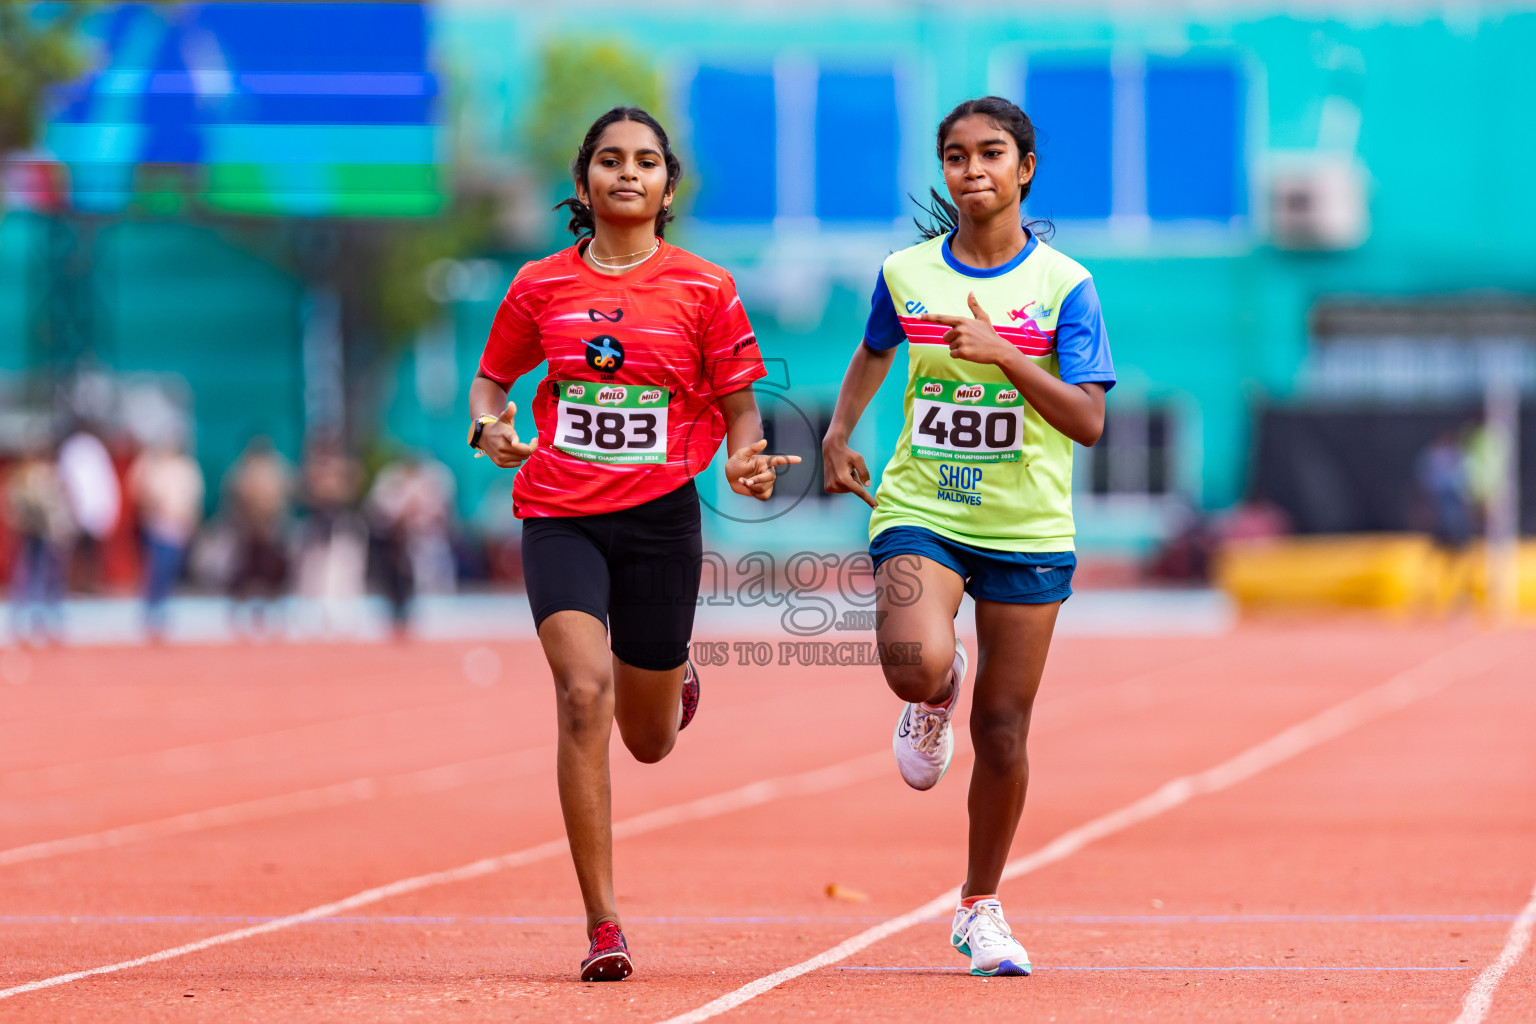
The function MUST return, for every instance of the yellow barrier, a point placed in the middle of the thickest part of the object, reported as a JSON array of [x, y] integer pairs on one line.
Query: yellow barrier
[[1390, 572]]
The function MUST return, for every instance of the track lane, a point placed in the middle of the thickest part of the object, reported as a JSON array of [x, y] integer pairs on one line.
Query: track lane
[[250, 772], [751, 862], [127, 873], [1232, 851]]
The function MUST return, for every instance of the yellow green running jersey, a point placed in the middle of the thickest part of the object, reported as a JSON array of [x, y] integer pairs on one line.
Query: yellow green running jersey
[[975, 462]]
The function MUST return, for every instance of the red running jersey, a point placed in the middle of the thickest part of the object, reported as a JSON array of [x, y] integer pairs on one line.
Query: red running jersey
[[637, 362]]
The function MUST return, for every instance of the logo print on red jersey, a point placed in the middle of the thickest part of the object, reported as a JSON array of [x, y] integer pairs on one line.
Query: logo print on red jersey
[[596, 314], [605, 353]]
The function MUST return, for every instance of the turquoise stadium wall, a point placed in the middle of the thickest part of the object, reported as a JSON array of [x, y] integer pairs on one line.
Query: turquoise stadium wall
[[1205, 320]]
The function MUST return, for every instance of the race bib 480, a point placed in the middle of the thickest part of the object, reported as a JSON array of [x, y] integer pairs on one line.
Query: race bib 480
[[962, 422], [615, 423]]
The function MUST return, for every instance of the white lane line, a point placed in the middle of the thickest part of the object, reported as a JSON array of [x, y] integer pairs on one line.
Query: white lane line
[[493, 768], [951, 968], [339, 794], [804, 784], [1479, 998], [1460, 662], [427, 780], [229, 752]]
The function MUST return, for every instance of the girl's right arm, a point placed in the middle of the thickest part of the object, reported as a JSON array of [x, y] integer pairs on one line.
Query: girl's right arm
[[498, 440], [843, 468]]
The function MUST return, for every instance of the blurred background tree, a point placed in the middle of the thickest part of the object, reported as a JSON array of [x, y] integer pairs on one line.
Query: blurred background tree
[[579, 80], [38, 50]]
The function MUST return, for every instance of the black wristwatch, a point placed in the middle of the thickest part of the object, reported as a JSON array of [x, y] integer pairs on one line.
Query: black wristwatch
[[477, 429]]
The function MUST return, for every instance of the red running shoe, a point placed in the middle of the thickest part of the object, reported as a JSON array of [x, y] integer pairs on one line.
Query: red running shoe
[[608, 959], [690, 696]]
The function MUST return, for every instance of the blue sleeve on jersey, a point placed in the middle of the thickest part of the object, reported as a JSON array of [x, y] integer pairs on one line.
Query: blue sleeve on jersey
[[1082, 347], [883, 330]]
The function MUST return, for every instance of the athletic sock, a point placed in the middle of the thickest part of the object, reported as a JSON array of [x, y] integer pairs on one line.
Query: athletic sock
[[971, 901], [947, 700]]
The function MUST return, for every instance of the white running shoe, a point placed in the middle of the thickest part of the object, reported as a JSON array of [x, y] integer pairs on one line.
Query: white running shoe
[[923, 742], [981, 934]]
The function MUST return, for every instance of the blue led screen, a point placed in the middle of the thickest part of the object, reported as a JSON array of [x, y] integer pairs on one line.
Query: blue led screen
[[326, 109]]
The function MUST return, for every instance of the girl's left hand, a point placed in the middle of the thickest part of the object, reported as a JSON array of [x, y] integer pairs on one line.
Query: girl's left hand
[[750, 472], [973, 340]]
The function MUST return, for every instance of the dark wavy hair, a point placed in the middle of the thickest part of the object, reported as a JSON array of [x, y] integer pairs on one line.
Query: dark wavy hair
[[581, 224], [943, 217]]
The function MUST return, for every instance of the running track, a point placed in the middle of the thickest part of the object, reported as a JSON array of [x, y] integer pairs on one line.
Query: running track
[[1287, 823]]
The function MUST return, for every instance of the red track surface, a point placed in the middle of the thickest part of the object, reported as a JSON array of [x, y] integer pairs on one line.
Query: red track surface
[[1408, 842]]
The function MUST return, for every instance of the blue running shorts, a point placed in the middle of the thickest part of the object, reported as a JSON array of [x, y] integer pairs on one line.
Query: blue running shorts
[[1008, 577]]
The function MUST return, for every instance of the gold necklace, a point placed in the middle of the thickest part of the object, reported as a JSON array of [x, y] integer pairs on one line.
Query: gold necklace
[[607, 265], [592, 248]]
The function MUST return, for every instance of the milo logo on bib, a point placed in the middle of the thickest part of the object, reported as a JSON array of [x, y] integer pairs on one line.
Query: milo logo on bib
[[970, 393], [963, 422], [612, 396]]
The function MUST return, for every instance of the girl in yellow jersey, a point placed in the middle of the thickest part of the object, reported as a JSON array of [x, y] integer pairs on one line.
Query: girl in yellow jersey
[[1008, 365]]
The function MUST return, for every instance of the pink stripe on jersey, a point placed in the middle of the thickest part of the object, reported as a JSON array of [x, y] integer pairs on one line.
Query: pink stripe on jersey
[[1029, 340]]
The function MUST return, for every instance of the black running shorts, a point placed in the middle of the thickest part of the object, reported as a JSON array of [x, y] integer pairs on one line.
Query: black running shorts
[[636, 570]]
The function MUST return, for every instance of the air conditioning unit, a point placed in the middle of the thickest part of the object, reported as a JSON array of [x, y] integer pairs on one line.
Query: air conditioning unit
[[1319, 203]]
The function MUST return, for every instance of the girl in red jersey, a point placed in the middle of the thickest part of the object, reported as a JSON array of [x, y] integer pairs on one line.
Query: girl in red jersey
[[651, 363]]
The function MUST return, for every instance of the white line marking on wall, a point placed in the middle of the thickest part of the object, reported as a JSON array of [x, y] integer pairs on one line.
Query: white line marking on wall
[[1479, 998], [1461, 662], [804, 784]]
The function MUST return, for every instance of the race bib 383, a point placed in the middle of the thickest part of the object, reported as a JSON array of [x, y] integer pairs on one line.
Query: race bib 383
[[613, 423]]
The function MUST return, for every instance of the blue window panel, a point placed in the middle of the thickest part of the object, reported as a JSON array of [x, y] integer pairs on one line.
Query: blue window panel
[[1194, 141], [1071, 106], [857, 147], [735, 145]]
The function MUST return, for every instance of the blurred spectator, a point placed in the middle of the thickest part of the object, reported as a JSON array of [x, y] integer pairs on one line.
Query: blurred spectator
[[258, 493], [1254, 519], [1440, 474], [408, 509], [1447, 511], [333, 547], [1185, 557], [41, 521], [1485, 460], [166, 488], [95, 501], [1189, 553]]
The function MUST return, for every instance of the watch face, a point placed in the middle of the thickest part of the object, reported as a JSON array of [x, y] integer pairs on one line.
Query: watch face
[[475, 428]]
